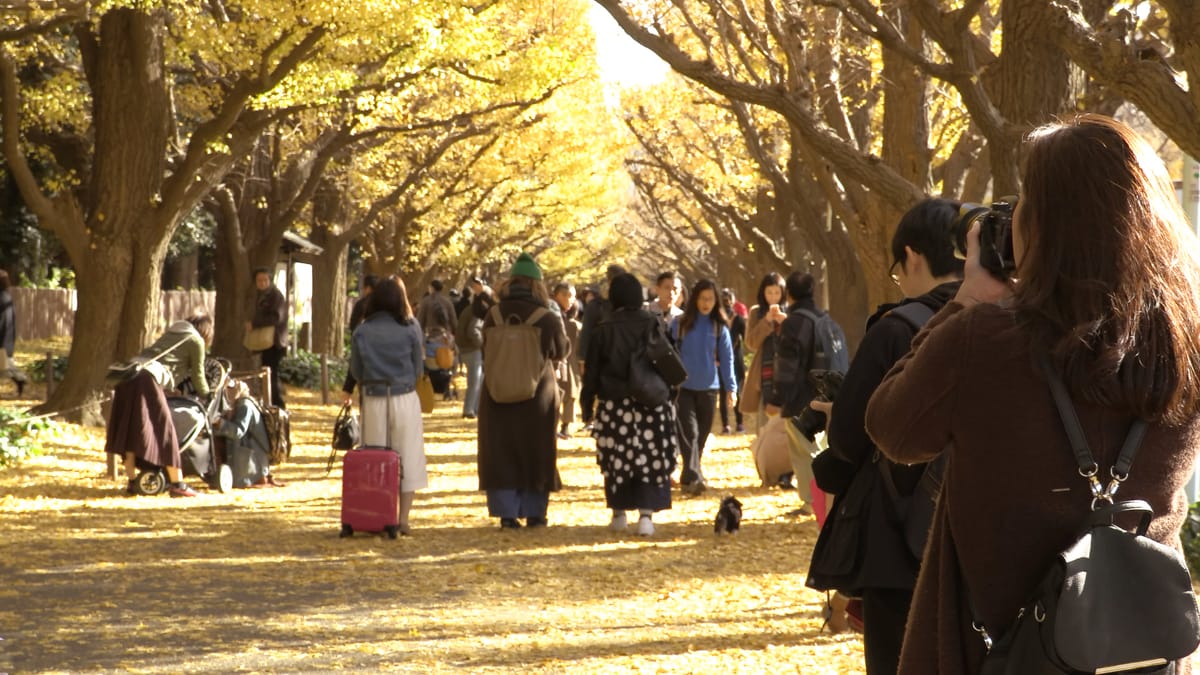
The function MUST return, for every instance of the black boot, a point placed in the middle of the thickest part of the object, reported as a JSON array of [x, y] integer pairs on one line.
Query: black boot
[[20, 387]]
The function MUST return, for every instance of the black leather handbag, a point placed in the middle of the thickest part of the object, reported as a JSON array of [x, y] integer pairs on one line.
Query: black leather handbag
[[1114, 600], [664, 358], [646, 386], [346, 434]]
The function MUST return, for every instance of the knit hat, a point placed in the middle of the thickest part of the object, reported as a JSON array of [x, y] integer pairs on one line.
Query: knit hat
[[526, 267]]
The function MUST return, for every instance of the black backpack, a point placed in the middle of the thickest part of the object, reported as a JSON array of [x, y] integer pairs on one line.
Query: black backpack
[[914, 513], [832, 351], [1114, 600]]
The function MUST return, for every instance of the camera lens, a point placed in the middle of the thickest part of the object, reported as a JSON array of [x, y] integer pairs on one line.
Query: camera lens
[[967, 215]]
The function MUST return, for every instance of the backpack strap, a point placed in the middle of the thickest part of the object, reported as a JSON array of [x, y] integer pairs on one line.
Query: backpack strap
[[915, 314], [536, 316], [1083, 453], [497, 317]]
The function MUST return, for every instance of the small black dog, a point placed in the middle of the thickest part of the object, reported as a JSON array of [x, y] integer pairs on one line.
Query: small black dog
[[729, 516]]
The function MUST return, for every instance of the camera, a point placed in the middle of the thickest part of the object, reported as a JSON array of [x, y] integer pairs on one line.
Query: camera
[[826, 382], [995, 235]]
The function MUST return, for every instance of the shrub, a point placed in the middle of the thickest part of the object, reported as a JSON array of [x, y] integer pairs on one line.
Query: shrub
[[18, 436], [304, 370], [37, 370]]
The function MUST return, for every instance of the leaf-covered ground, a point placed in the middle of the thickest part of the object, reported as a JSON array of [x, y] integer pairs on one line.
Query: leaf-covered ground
[[259, 581]]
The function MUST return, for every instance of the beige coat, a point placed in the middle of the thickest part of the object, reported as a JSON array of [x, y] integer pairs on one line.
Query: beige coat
[[757, 330]]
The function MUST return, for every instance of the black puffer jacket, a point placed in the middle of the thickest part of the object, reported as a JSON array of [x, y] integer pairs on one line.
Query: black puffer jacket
[[614, 342]]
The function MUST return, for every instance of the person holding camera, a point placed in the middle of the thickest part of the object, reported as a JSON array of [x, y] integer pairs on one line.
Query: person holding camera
[[928, 273], [1096, 277]]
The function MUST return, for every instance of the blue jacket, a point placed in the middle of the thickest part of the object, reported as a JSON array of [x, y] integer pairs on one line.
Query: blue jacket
[[385, 349], [701, 350]]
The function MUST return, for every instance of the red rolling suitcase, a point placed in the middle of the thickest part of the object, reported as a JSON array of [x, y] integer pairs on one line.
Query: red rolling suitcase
[[371, 487]]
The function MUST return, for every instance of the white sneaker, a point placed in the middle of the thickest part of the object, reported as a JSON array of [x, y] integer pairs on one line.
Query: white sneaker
[[645, 526], [619, 522]]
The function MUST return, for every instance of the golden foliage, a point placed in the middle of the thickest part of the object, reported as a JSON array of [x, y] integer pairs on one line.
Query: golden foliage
[[258, 580]]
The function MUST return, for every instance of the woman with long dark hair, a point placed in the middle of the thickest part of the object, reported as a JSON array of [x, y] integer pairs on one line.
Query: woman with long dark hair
[[1106, 294], [390, 346], [702, 335]]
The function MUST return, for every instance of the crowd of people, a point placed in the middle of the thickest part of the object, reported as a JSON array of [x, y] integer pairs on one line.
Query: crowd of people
[[1099, 280]]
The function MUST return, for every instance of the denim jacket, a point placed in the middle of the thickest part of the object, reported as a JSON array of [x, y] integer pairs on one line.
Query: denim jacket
[[382, 348]]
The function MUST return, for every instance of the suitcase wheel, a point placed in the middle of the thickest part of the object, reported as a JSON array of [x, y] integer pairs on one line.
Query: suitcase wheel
[[391, 531], [347, 530]]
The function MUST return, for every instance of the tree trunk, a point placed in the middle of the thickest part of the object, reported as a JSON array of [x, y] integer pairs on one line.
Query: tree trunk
[[119, 277], [329, 295]]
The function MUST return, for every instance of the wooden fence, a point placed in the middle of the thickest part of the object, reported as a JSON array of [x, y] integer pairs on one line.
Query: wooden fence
[[44, 313]]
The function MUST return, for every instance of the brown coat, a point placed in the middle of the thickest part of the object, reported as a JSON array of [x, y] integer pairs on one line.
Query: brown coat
[[1012, 496], [518, 445], [757, 330]]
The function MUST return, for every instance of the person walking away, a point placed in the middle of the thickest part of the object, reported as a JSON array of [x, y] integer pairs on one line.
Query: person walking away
[[140, 424], [517, 446], [8, 337], [737, 334], [635, 444], [468, 337], [436, 310], [702, 335], [1101, 281], [270, 309], [357, 313], [928, 274], [567, 370], [389, 347], [598, 308], [792, 390]]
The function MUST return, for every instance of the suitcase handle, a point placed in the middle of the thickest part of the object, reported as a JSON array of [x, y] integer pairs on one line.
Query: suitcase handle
[[387, 392]]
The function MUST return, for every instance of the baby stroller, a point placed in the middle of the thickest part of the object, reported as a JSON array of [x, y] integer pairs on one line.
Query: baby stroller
[[193, 421], [440, 357]]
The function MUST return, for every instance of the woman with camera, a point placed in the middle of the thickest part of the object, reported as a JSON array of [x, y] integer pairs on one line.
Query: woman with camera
[[1102, 282], [635, 444]]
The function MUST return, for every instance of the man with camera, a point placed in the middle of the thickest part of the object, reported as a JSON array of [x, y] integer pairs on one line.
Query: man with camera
[[928, 273]]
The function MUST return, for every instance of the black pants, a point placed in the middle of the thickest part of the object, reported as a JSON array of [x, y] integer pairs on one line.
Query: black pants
[[271, 359], [885, 611], [695, 410]]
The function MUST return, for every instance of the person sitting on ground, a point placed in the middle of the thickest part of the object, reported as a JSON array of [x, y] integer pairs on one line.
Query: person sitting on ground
[[174, 361], [247, 445]]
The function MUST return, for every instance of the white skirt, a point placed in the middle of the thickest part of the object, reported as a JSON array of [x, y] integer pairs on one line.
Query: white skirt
[[407, 434]]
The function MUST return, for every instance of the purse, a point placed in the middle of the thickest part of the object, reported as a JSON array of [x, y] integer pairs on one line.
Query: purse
[[837, 556], [646, 386], [259, 339], [663, 357], [346, 434], [1112, 601], [425, 393]]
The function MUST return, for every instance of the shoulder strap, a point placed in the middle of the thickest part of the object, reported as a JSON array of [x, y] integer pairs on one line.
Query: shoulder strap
[[497, 317], [808, 313], [1083, 453], [536, 316], [915, 314]]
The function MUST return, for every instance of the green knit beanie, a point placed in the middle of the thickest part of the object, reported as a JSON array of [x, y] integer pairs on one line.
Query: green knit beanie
[[526, 267]]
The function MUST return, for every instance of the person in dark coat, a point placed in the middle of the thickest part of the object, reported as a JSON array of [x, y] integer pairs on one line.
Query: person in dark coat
[[518, 442], [635, 444], [8, 337], [270, 309], [1107, 281], [928, 273], [737, 334], [357, 313]]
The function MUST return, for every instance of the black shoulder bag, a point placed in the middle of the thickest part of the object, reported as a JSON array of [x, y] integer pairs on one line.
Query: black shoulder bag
[[1114, 601]]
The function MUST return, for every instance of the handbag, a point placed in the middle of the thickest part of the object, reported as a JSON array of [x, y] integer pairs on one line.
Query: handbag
[[646, 386], [663, 357], [837, 556], [425, 393], [1112, 601], [346, 434], [259, 339]]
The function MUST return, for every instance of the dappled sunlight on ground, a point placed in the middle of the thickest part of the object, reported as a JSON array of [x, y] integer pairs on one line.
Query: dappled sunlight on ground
[[258, 580]]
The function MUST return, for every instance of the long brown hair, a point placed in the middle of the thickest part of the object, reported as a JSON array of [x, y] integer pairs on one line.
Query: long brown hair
[[390, 296], [1109, 280]]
